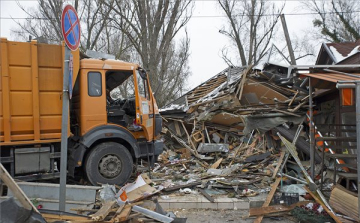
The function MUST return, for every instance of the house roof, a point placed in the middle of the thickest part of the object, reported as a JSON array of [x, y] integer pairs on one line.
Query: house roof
[[339, 53], [345, 48], [209, 90]]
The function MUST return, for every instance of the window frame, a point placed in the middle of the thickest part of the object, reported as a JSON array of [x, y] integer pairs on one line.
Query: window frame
[[145, 83], [88, 84]]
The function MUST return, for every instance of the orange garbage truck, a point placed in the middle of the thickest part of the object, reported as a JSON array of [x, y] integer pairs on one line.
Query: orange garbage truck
[[107, 134]]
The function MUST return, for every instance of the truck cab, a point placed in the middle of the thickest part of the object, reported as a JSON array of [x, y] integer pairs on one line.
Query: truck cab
[[114, 119]]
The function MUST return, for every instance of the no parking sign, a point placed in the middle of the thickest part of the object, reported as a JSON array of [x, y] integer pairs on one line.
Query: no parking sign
[[70, 27]]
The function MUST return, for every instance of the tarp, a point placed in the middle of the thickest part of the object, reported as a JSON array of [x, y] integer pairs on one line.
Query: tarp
[[266, 123], [11, 212]]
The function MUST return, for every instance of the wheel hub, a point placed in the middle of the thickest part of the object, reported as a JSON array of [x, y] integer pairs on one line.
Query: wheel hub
[[110, 166]]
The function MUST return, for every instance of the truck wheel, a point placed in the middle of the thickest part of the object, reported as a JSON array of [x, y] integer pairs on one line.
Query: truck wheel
[[109, 163]]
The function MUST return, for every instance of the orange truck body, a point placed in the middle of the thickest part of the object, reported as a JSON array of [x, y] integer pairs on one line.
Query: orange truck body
[[31, 88]]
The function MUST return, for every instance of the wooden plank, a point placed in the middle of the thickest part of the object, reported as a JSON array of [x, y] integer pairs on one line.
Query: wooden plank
[[278, 165], [318, 200], [18, 193], [274, 209], [242, 82], [65, 217], [124, 215], [118, 211], [344, 201], [189, 139], [206, 195], [269, 198], [103, 211], [216, 164], [177, 128]]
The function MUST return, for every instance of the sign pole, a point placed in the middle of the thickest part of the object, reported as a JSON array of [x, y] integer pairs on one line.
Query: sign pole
[[70, 28], [64, 131]]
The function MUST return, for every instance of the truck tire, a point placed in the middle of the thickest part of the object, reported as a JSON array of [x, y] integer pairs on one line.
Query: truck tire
[[109, 163], [301, 143]]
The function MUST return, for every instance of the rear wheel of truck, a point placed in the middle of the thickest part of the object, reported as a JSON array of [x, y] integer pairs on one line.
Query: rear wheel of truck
[[110, 163]]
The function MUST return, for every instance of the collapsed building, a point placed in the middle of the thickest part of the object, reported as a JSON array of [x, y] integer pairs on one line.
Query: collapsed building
[[274, 120]]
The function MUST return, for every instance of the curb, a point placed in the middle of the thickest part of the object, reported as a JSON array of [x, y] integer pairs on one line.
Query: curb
[[222, 203]]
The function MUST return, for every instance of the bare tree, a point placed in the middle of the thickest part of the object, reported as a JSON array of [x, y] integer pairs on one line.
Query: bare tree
[[44, 21], [251, 27], [151, 26], [337, 20]]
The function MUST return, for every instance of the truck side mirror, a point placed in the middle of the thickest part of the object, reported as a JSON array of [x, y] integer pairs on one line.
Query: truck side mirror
[[143, 74]]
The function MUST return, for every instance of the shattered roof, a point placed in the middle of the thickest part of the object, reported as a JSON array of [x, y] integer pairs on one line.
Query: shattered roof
[[208, 90]]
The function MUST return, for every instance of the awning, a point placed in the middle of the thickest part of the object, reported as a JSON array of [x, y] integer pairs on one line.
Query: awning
[[329, 80], [333, 77]]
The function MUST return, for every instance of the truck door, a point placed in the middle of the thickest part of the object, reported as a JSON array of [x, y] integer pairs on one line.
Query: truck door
[[144, 104]]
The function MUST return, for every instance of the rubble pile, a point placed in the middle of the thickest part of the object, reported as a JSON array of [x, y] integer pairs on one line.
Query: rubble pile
[[240, 134], [226, 129]]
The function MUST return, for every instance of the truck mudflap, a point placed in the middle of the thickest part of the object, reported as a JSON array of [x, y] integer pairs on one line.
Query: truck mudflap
[[158, 147]]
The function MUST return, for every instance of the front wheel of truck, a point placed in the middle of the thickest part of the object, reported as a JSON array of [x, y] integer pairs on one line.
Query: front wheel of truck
[[108, 163]]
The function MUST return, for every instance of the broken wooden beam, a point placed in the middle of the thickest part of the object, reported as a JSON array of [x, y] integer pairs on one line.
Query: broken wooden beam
[[275, 209], [319, 201], [18, 193], [103, 211], [124, 214], [278, 165], [193, 184], [217, 163], [207, 196], [269, 198]]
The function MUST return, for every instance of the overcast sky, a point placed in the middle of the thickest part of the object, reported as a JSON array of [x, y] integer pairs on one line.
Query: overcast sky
[[203, 30]]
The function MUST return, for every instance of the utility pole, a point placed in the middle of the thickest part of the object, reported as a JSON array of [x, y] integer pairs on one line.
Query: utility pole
[[288, 41]]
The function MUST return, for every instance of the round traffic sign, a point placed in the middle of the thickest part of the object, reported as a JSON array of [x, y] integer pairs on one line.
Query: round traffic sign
[[70, 26]]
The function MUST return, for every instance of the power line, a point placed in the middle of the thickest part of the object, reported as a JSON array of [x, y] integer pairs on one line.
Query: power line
[[191, 0], [214, 16]]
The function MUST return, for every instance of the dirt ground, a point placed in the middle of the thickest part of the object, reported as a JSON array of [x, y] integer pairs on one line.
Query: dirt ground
[[215, 216]]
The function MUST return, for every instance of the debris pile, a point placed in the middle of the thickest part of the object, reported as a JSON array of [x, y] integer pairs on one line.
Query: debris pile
[[242, 134], [242, 130], [228, 125]]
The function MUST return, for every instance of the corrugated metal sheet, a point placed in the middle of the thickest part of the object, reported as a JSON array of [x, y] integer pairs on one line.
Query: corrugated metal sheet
[[332, 77]]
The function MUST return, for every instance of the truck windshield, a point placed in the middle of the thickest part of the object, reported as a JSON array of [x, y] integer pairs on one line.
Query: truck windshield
[[120, 84]]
